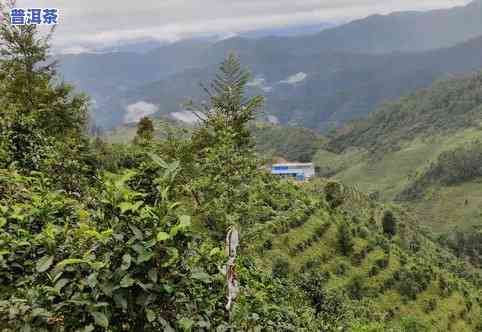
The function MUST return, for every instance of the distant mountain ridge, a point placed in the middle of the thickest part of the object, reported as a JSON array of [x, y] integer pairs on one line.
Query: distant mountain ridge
[[316, 91], [347, 69]]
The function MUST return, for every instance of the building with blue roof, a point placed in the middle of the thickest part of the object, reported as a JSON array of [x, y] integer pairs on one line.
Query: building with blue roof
[[298, 171]]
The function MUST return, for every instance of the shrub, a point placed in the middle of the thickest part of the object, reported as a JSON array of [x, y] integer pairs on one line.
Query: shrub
[[344, 239], [341, 269], [356, 287], [334, 194], [280, 268], [382, 263], [413, 324], [429, 305], [389, 224]]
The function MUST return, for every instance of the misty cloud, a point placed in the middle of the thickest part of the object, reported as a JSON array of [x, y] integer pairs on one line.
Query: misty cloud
[[135, 112], [187, 116], [260, 82], [109, 21], [296, 78]]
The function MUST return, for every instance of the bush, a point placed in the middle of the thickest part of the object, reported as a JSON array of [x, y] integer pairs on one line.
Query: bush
[[382, 263], [356, 287], [280, 268], [334, 194], [344, 239], [412, 280], [389, 224], [413, 324], [429, 305], [103, 267]]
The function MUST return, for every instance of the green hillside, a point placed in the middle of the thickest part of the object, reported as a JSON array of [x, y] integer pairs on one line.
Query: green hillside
[[422, 150], [272, 141], [382, 278]]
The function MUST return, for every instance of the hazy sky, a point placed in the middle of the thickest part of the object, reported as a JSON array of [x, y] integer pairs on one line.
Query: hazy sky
[[108, 21]]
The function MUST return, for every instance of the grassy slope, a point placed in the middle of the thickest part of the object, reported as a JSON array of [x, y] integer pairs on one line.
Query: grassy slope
[[441, 206], [396, 145], [450, 312]]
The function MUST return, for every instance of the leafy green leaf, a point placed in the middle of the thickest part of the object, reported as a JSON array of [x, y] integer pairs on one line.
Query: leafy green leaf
[[150, 315], [162, 236], [158, 160], [44, 263], [125, 206], [120, 300], [152, 275], [126, 262], [40, 312], [186, 324], [88, 328], [137, 232], [145, 257], [184, 223], [100, 319], [126, 282], [202, 276], [71, 261], [128, 206], [61, 284], [214, 251]]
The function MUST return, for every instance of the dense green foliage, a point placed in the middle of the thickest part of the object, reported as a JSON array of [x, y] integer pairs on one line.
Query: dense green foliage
[[451, 168], [291, 143], [445, 107]]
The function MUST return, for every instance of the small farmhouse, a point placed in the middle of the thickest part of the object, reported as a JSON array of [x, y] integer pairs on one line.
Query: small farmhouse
[[298, 171]]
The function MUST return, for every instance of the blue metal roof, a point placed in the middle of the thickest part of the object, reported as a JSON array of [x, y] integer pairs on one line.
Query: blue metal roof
[[287, 171]]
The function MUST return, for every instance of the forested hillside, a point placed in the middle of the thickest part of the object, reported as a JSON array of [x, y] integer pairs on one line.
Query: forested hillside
[[422, 151], [446, 107], [272, 141], [97, 236]]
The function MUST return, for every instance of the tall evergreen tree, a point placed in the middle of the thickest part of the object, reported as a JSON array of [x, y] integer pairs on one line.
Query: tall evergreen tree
[[389, 223], [224, 149], [36, 108], [145, 130], [345, 239], [228, 107]]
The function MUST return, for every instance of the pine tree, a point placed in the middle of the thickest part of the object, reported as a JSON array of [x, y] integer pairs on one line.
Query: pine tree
[[389, 223], [223, 147], [145, 130], [36, 109], [228, 109], [345, 239]]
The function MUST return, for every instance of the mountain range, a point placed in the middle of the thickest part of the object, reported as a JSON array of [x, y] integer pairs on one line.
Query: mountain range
[[317, 80]]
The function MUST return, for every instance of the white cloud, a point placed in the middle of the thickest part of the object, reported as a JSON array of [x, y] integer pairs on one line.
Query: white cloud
[[108, 21], [135, 112], [187, 116], [256, 82], [273, 119], [296, 78], [260, 82], [76, 50]]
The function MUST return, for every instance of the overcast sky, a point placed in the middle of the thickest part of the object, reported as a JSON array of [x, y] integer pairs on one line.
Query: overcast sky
[[109, 21]]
